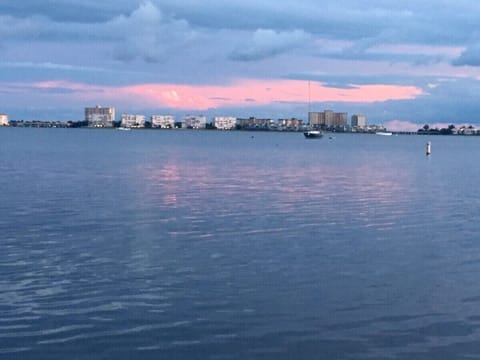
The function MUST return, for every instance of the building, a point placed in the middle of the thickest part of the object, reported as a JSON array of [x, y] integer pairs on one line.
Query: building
[[4, 120], [224, 122], [252, 123], [132, 121], [162, 121], [359, 121], [316, 119], [194, 122], [100, 116], [327, 119], [290, 124]]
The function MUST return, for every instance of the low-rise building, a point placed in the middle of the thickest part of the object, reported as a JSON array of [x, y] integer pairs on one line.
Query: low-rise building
[[162, 121], [4, 120], [133, 121], [224, 122], [252, 123], [467, 130], [99, 116], [290, 124], [194, 122]]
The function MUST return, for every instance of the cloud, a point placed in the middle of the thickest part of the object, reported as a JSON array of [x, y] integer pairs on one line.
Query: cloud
[[50, 66], [240, 93], [402, 125], [267, 43], [68, 11], [149, 35], [385, 58], [469, 57], [153, 30]]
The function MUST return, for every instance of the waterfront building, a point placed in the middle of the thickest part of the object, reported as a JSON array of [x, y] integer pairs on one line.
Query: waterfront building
[[99, 116], [252, 123], [194, 122], [359, 121], [326, 119], [132, 121], [163, 121], [467, 130], [224, 122], [290, 124], [339, 119], [316, 119], [4, 120]]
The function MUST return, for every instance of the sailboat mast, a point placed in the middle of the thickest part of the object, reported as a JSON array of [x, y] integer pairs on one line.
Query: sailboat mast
[[309, 96]]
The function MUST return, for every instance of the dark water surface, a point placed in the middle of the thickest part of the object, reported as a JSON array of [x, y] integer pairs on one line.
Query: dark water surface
[[237, 245]]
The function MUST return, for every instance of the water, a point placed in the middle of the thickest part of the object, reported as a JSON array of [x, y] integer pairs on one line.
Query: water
[[237, 245]]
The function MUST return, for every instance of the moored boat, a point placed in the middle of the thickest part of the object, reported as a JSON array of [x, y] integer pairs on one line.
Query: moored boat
[[313, 134], [383, 133]]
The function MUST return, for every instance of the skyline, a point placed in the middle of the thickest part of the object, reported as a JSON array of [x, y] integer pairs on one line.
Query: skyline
[[402, 65]]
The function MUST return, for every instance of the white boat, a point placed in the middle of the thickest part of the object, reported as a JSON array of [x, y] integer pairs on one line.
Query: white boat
[[383, 133], [123, 128], [313, 134]]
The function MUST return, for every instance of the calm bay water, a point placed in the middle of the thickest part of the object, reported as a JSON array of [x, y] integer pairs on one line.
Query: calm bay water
[[237, 245]]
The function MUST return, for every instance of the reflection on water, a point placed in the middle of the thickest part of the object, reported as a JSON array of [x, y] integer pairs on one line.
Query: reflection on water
[[230, 246], [165, 180]]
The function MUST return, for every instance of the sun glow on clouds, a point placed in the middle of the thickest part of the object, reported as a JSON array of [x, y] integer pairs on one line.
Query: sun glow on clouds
[[245, 92]]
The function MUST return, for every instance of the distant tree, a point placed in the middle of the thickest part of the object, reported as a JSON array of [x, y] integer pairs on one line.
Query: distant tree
[[446, 131], [451, 127], [426, 127]]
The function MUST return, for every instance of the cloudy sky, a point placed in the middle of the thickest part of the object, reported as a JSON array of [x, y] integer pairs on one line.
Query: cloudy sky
[[401, 63]]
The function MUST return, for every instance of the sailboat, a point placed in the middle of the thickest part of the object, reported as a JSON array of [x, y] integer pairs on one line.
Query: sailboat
[[311, 134]]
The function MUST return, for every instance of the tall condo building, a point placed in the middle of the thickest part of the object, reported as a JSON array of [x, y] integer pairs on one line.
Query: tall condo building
[[194, 122], [327, 118], [224, 122], [100, 116], [133, 121], [359, 121], [163, 121], [4, 120]]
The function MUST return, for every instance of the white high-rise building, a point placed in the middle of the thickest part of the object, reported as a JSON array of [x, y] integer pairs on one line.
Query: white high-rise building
[[359, 121], [4, 120], [224, 122], [163, 121], [133, 121], [194, 122], [100, 116]]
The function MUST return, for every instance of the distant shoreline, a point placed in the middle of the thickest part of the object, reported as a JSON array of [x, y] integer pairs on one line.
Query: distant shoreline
[[37, 124]]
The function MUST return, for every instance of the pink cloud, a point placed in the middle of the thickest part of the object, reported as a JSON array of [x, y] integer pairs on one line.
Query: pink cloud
[[245, 92], [263, 93]]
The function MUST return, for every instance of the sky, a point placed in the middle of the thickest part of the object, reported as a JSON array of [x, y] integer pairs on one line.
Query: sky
[[401, 63]]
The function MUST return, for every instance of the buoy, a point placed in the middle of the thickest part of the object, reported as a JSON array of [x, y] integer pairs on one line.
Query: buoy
[[429, 148]]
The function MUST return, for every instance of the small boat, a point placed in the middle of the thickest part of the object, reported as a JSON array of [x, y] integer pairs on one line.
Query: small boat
[[123, 128], [383, 133], [313, 134]]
